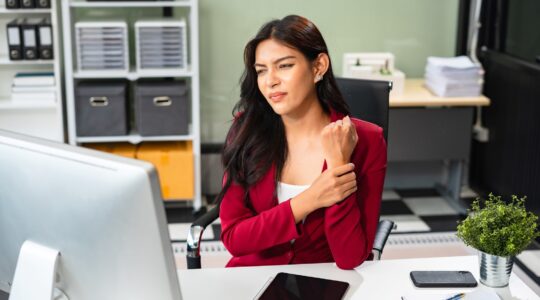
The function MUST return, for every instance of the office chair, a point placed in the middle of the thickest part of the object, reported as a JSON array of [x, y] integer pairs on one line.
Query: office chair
[[368, 100]]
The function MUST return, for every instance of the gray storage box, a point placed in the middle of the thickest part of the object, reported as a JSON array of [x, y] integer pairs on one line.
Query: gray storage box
[[161, 107], [101, 108]]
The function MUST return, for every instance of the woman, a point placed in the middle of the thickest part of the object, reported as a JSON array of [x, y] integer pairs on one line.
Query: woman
[[303, 181]]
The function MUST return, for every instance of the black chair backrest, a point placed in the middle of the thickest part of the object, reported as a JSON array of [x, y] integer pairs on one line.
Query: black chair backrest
[[367, 99]]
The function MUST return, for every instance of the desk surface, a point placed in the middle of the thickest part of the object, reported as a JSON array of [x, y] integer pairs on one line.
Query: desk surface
[[415, 94], [386, 279]]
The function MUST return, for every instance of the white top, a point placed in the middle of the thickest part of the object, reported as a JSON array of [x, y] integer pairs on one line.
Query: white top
[[287, 191]]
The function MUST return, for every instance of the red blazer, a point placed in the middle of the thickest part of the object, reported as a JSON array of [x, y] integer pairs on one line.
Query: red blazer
[[343, 232]]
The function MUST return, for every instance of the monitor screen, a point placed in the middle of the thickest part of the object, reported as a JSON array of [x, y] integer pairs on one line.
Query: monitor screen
[[102, 213]]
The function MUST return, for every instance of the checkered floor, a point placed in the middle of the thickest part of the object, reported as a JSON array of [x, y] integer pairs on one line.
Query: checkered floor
[[426, 226], [419, 210]]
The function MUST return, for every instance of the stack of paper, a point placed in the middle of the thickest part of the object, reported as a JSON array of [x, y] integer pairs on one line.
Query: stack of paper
[[453, 77], [39, 87]]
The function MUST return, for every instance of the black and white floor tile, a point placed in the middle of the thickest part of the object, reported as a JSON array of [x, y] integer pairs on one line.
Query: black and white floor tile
[[418, 210]]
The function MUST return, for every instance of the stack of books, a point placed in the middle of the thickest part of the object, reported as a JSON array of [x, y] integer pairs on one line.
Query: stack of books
[[38, 87], [454, 77]]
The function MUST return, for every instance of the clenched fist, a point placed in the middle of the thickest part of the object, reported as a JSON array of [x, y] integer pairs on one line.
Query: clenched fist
[[338, 141]]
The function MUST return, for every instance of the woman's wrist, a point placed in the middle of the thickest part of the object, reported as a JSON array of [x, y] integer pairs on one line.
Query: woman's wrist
[[330, 163], [302, 205]]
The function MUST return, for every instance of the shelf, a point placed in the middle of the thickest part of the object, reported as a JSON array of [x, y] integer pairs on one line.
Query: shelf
[[3, 10], [190, 12], [6, 104], [4, 60], [124, 4], [134, 138], [132, 75]]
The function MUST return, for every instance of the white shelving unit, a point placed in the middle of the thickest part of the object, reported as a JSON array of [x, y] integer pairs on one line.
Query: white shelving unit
[[134, 138], [5, 61], [69, 11], [24, 11], [121, 4], [37, 118], [133, 75]]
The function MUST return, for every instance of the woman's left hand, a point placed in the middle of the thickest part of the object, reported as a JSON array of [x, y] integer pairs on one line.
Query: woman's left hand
[[338, 141]]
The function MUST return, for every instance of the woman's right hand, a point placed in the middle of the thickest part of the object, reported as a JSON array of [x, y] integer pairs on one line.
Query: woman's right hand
[[331, 187]]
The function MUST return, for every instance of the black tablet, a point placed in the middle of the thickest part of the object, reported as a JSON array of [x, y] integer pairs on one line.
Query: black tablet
[[287, 286]]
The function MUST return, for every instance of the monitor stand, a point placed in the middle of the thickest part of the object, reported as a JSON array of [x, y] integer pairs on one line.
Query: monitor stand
[[35, 274]]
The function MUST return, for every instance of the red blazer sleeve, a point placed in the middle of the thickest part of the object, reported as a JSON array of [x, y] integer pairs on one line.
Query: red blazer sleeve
[[350, 225], [245, 232]]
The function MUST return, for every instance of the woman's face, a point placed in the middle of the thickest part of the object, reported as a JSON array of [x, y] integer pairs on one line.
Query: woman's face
[[285, 77]]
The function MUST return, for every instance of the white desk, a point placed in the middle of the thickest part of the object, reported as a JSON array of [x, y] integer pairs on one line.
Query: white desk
[[386, 279]]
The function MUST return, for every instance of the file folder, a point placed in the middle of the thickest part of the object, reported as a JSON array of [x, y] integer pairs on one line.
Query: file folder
[[14, 38], [30, 39], [45, 44], [43, 3], [12, 4], [27, 3]]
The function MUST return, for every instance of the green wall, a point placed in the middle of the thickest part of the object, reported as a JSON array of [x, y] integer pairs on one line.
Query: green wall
[[411, 29]]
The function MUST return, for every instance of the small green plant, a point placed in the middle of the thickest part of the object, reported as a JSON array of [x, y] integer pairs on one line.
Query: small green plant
[[499, 228]]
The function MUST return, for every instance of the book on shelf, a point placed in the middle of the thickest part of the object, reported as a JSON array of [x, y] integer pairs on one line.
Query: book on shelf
[[34, 97], [33, 89], [34, 79]]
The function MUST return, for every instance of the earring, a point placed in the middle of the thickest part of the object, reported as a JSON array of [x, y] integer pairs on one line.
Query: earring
[[318, 78]]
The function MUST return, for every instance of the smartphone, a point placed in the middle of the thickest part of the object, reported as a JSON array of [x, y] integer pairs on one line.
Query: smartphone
[[287, 286], [443, 279]]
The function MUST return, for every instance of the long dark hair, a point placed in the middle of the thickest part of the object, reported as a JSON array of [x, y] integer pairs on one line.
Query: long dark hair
[[256, 139]]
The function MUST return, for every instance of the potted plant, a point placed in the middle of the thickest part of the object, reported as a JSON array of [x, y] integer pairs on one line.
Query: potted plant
[[499, 231]]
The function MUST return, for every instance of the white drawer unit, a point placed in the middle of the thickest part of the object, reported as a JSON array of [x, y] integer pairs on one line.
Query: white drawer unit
[[102, 46], [161, 45]]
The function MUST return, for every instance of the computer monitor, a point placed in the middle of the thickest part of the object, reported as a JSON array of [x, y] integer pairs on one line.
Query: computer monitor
[[102, 213]]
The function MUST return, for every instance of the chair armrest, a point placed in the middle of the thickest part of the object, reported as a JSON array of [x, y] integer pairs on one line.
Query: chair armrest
[[193, 255], [383, 231], [207, 218]]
